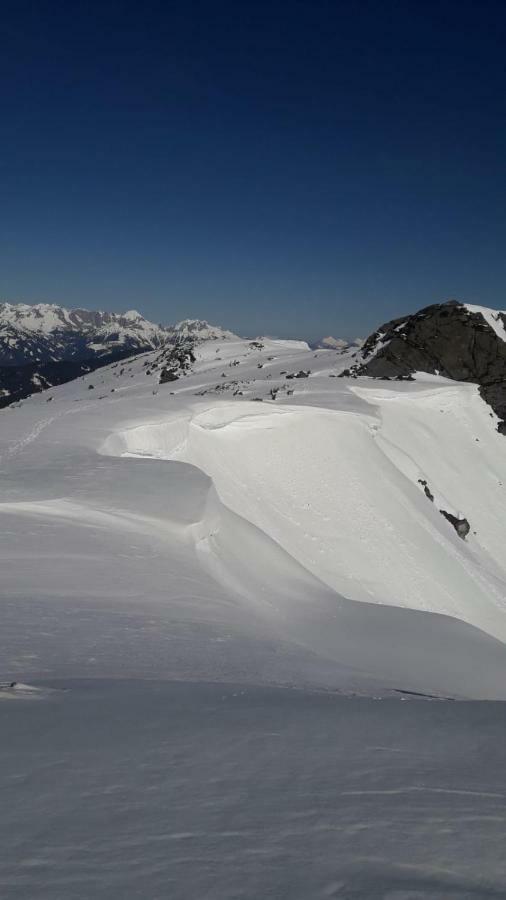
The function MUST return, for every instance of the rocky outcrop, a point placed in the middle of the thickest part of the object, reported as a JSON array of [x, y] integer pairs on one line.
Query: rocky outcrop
[[175, 362], [461, 342], [461, 525]]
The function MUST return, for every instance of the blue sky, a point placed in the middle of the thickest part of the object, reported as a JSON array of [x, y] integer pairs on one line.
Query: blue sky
[[297, 168]]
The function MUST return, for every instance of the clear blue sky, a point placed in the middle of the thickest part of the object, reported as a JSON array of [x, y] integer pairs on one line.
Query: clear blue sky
[[298, 168]]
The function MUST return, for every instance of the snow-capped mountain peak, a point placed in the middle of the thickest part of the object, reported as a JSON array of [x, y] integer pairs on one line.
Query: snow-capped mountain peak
[[200, 330], [339, 344], [46, 332]]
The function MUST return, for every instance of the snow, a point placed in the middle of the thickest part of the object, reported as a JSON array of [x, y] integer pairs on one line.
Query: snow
[[332, 343], [125, 790], [269, 525], [347, 491], [41, 317], [492, 317], [207, 593], [286, 345]]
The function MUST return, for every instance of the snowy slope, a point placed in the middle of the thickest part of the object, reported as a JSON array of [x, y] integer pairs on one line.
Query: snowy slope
[[495, 319], [255, 519], [128, 790]]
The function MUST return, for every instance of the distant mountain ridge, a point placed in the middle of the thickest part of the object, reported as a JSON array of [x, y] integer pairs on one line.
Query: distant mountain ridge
[[200, 330], [44, 345], [46, 333], [339, 344]]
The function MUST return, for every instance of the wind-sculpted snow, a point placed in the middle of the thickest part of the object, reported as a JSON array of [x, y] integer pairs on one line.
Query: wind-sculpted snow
[[341, 497], [187, 530], [173, 554]]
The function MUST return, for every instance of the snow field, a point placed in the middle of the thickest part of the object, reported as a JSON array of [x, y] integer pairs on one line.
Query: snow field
[[334, 490]]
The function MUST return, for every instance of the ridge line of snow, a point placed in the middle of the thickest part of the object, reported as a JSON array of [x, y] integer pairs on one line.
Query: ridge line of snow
[[492, 318]]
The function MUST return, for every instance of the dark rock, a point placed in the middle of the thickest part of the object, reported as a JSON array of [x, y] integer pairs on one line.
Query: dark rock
[[177, 361], [167, 375], [445, 339], [300, 374], [426, 490], [461, 526]]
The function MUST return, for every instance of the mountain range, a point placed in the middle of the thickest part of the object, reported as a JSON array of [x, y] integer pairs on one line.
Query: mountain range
[[45, 344], [46, 333]]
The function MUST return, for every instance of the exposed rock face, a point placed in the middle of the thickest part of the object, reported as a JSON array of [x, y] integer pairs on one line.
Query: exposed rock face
[[465, 343], [176, 361]]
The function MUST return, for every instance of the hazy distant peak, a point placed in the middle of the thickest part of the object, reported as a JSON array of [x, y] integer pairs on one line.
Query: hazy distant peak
[[201, 330], [339, 344]]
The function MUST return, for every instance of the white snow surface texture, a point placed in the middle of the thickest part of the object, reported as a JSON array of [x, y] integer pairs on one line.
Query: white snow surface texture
[[187, 531]]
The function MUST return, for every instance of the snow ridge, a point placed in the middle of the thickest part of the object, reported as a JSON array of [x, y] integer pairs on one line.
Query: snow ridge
[[494, 318]]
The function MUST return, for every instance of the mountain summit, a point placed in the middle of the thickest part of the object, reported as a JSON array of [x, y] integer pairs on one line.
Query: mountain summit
[[200, 330], [456, 340]]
